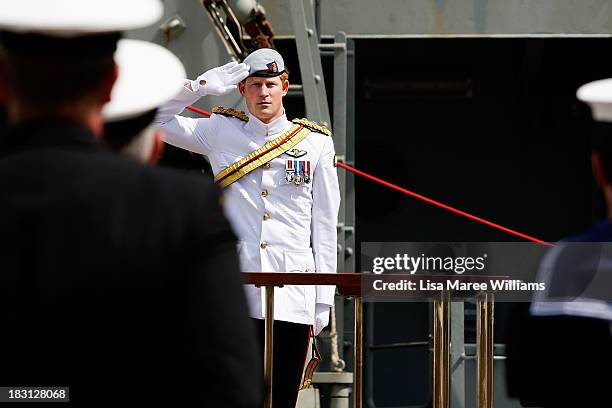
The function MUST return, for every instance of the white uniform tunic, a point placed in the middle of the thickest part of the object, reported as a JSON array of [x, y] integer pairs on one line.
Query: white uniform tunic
[[282, 227]]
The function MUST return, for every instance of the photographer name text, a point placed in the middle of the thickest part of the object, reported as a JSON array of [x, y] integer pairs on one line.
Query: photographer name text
[[451, 284]]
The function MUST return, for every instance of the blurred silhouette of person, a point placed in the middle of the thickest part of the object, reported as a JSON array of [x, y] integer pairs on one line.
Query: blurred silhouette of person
[[119, 280], [560, 345]]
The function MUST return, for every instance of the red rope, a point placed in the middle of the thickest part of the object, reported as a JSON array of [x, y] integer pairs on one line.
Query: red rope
[[198, 110], [423, 198], [444, 206]]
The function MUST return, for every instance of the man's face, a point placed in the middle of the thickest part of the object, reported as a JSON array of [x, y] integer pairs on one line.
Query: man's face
[[264, 96]]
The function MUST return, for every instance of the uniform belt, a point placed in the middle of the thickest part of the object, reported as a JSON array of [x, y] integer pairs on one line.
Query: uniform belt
[[271, 150]]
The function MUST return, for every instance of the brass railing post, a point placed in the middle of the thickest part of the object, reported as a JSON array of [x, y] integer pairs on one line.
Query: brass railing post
[[441, 353], [484, 350], [358, 357], [269, 344]]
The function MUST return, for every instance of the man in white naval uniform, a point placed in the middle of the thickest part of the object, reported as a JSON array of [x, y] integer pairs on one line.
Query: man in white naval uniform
[[284, 211]]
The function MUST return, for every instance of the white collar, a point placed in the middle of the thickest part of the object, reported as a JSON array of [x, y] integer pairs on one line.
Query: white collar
[[259, 128]]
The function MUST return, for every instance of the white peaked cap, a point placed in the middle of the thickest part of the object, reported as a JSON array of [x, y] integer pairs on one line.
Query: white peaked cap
[[265, 62], [149, 76], [598, 95], [77, 17]]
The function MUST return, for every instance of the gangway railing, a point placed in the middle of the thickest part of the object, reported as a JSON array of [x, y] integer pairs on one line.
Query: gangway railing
[[355, 285]]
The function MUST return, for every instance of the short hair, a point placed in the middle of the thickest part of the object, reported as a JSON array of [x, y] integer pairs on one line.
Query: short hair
[[45, 72], [602, 145], [119, 134]]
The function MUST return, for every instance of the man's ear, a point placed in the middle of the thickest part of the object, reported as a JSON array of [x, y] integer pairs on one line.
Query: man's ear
[[241, 87], [158, 147], [107, 86], [4, 89], [285, 87], [598, 171]]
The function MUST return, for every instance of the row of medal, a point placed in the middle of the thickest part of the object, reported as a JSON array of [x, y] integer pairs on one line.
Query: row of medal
[[297, 171]]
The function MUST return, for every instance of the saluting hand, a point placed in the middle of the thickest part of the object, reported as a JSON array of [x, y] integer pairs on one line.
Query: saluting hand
[[221, 80]]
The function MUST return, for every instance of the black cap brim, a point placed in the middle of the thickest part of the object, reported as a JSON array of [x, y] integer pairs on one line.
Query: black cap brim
[[41, 45], [266, 74]]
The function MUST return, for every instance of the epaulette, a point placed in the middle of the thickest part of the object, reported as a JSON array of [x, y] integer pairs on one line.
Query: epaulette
[[231, 112], [315, 127]]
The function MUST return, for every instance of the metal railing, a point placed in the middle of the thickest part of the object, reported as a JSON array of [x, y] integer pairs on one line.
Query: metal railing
[[350, 285]]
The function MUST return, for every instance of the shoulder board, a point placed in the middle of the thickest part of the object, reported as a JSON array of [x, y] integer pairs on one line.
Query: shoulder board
[[231, 113], [315, 127]]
